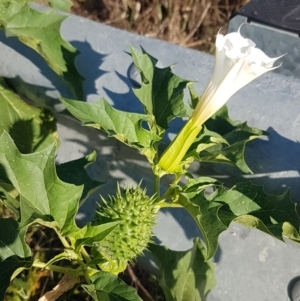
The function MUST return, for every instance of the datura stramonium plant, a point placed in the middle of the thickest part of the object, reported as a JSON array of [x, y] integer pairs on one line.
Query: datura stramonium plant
[[237, 63], [136, 213]]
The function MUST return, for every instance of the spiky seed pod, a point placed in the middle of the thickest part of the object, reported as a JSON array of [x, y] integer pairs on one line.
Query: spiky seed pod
[[136, 213]]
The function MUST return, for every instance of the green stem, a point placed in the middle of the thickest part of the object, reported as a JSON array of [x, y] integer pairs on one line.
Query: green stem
[[62, 239], [87, 277], [169, 205], [56, 268], [156, 177], [157, 185], [82, 202], [84, 268], [85, 254]]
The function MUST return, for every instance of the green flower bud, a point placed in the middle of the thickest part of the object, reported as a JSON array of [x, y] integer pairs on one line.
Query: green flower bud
[[136, 213]]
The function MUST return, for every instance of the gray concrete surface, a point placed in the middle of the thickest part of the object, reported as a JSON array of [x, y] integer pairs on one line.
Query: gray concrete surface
[[250, 265], [273, 41]]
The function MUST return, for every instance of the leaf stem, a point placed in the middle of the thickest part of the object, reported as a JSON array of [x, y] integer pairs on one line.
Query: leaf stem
[[156, 177], [59, 269], [169, 205], [85, 271], [85, 254], [62, 239]]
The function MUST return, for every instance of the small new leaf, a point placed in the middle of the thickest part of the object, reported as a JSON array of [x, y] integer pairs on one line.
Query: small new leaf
[[91, 235]]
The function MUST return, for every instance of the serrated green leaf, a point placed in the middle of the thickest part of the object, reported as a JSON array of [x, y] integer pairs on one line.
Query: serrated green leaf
[[269, 213], [41, 32], [206, 215], [74, 172], [246, 204], [223, 140], [109, 287], [161, 92], [14, 252], [124, 126], [186, 275], [42, 195], [91, 234], [31, 128]]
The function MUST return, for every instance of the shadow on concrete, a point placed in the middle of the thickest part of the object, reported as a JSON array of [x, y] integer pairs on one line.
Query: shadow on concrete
[[89, 64], [55, 82]]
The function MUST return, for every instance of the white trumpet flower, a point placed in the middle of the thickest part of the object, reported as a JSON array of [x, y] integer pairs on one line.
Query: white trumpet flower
[[237, 63]]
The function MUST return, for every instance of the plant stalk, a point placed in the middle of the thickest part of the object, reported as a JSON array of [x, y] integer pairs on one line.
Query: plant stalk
[[56, 268], [62, 239], [157, 185], [169, 205]]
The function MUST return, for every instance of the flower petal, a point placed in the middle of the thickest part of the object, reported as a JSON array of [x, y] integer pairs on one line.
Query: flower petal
[[237, 63]]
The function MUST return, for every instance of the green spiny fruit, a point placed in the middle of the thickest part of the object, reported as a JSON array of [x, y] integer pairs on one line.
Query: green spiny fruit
[[136, 213]]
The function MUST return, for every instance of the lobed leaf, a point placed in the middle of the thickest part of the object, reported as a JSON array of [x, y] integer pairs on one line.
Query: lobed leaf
[[40, 193], [124, 126], [41, 32], [223, 140], [245, 203], [206, 215], [106, 286], [91, 235], [31, 128], [273, 212], [162, 91], [185, 275]]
